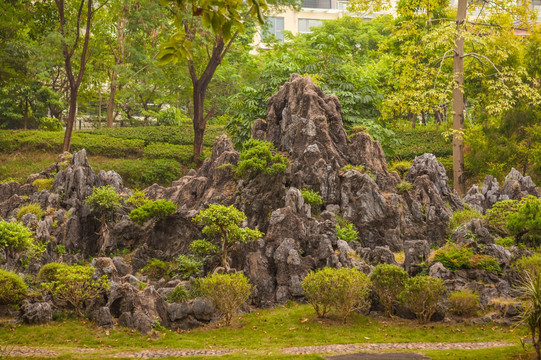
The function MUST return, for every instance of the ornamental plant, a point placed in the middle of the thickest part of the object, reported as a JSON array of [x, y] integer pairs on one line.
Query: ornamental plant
[[421, 295], [12, 288], [15, 236], [152, 210], [228, 292], [76, 284], [222, 231], [388, 281], [260, 157]]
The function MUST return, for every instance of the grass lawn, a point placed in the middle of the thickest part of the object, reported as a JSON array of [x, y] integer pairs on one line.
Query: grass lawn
[[262, 333]]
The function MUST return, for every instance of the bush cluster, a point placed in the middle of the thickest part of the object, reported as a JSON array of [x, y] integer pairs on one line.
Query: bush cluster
[[389, 281], [43, 184], [346, 231], [152, 210], [463, 303], [138, 198], [529, 264], [421, 295], [342, 290], [455, 257], [104, 199], [180, 153], [260, 157], [12, 288], [15, 236], [32, 208]]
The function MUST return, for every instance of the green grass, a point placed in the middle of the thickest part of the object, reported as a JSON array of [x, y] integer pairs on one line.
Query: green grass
[[260, 334]]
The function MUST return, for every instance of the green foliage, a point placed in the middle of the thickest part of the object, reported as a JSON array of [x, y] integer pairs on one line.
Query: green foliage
[[343, 290], [12, 288], [525, 224], [178, 295], [389, 281], [157, 269], [350, 167], [145, 172], [415, 142], [227, 291], [530, 312], [506, 242], [346, 231], [137, 199], [260, 157], [461, 217], [485, 262], [421, 295], [188, 265], [155, 210], [454, 257], [32, 208], [43, 184], [222, 225], [50, 124], [104, 199], [463, 303], [401, 167], [172, 117], [203, 248], [313, 199], [403, 187], [529, 264], [48, 272], [15, 236], [497, 215], [60, 249], [75, 285], [180, 153]]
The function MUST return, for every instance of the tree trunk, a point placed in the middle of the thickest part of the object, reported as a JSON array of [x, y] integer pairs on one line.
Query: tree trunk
[[70, 121], [459, 179], [111, 101]]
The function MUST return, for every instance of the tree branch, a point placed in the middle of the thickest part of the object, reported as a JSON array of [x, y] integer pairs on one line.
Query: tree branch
[[479, 57]]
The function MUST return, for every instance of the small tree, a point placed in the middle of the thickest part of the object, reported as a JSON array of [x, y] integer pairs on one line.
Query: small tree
[[75, 285], [222, 226], [227, 291], [105, 201], [421, 295], [388, 281]]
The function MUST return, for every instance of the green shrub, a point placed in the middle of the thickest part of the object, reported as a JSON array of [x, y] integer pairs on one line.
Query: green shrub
[[347, 232], [313, 199], [403, 187], [157, 269], [171, 117], [43, 184], [60, 249], [178, 295], [48, 272], [32, 208], [529, 264], [104, 199], [415, 142], [401, 167], [222, 227], [525, 223], [12, 288], [74, 285], [454, 257], [506, 242], [343, 290], [15, 236], [485, 262], [497, 215], [388, 281], [461, 217], [463, 303], [188, 265], [350, 167], [137, 199], [50, 124], [260, 157], [421, 295], [227, 291], [155, 210]]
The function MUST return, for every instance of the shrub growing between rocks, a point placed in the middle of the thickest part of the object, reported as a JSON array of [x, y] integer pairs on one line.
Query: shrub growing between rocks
[[463, 303], [43, 184], [260, 157], [12, 288], [228, 292], [345, 230], [529, 264], [461, 217], [313, 199], [525, 223], [453, 256], [497, 215], [178, 295], [75, 284], [421, 295], [48, 272], [15, 236], [152, 210], [137, 199], [343, 290], [32, 208], [388, 281], [403, 187], [156, 269]]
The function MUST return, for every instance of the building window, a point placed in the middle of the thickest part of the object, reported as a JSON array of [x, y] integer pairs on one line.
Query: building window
[[274, 26], [306, 24], [317, 4]]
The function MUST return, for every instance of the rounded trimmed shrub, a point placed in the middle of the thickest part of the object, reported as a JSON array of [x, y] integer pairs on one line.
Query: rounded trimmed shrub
[[388, 281], [421, 295], [12, 288]]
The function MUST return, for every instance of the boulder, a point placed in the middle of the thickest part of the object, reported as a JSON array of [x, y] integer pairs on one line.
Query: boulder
[[416, 252], [102, 317], [36, 313]]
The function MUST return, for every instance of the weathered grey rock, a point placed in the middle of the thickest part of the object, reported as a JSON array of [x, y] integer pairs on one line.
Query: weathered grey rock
[[111, 178], [416, 252], [36, 313], [122, 267], [8, 190], [500, 253], [180, 311], [473, 232], [203, 309], [105, 266], [380, 255], [142, 322], [126, 319], [76, 182], [439, 271], [102, 317], [29, 220], [8, 207]]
